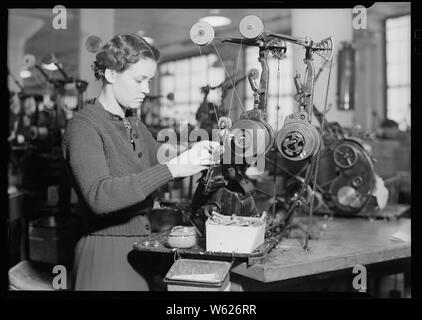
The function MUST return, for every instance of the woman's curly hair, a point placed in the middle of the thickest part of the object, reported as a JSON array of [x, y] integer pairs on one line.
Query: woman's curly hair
[[120, 52]]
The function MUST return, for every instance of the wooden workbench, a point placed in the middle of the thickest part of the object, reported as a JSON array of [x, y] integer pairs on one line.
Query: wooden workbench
[[342, 243]]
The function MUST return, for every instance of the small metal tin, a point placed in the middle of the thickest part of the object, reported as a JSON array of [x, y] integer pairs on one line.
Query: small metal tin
[[182, 237]]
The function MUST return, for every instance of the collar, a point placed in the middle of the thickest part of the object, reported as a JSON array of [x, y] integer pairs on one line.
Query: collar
[[98, 106], [111, 116]]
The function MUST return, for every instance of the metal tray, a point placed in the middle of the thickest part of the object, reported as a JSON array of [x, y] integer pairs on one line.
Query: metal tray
[[159, 239], [182, 268]]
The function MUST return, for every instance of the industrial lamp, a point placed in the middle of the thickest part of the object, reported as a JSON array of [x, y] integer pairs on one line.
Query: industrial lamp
[[215, 19], [25, 74], [49, 62]]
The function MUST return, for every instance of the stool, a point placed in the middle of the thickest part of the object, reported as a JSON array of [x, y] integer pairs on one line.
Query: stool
[[29, 276]]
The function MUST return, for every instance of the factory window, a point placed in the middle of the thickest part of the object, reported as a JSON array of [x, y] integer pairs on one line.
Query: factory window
[[184, 78], [398, 70], [285, 101]]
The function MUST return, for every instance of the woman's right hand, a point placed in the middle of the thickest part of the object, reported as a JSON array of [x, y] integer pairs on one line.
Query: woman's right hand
[[199, 157]]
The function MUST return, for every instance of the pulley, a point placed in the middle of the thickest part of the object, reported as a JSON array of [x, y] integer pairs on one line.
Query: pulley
[[224, 123], [345, 155], [349, 197], [298, 139], [251, 137], [325, 48], [202, 33], [251, 27]]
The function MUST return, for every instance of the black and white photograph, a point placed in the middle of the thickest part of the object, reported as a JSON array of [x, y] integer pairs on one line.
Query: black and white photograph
[[224, 150]]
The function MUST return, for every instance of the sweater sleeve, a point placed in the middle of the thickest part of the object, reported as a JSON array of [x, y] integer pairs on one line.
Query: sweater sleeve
[[83, 151]]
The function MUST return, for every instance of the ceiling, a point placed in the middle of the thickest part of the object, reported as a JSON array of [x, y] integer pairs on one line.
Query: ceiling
[[166, 26], [169, 27]]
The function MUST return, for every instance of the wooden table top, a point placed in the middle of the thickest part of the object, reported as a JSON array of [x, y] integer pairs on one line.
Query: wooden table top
[[342, 243]]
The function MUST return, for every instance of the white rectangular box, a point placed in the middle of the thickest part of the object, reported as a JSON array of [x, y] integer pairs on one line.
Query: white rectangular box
[[234, 238]]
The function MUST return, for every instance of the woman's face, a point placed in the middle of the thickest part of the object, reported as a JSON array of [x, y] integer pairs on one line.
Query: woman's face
[[131, 85]]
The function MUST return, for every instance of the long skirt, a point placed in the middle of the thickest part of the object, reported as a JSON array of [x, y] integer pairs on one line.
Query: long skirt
[[109, 263]]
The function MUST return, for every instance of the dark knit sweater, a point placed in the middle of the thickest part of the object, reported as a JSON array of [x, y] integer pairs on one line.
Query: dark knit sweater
[[112, 176]]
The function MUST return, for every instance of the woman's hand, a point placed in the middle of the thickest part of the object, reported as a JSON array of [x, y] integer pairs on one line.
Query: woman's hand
[[201, 155]]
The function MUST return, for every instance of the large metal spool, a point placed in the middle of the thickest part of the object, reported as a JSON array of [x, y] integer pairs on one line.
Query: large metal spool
[[252, 138], [251, 27], [298, 140], [202, 33]]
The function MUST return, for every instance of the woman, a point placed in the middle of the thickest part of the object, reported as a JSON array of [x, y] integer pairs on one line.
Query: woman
[[114, 168]]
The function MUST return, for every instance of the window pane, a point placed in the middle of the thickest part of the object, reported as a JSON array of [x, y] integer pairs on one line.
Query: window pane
[[403, 75], [185, 78], [393, 71], [181, 95], [167, 84], [248, 104], [398, 108], [181, 67], [195, 94], [215, 76], [280, 85], [272, 112], [210, 60], [287, 107], [182, 81], [398, 70], [251, 57], [393, 52]]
